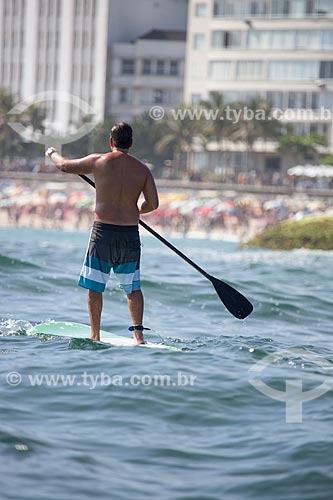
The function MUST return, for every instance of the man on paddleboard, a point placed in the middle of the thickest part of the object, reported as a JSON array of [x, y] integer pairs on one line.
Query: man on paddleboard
[[114, 240]]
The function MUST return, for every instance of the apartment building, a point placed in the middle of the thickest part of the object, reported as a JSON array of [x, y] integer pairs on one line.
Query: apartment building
[[146, 73], [280, 50], [55, 45]]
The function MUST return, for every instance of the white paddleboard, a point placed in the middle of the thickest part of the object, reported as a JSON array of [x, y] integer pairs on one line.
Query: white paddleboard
[[79, 331]]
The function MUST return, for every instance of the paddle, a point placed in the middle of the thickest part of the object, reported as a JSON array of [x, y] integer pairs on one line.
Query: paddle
[[234, 301]]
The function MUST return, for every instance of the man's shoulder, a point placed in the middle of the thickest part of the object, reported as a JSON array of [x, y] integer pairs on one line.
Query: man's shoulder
[[102, 158], [139, 162]]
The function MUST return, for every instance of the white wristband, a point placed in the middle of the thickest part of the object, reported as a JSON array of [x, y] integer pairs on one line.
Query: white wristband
[[50, 152]]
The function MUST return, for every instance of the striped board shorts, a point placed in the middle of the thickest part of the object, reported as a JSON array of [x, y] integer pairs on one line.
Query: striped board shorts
[[112, 248]]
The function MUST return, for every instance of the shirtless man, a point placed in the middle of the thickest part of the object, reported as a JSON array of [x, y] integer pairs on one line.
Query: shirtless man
[[114, 240]]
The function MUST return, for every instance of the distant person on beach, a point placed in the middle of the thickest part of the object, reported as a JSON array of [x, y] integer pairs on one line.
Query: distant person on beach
[[114, 240]]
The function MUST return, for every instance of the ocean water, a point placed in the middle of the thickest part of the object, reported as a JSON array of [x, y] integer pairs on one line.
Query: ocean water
[[243, 411]]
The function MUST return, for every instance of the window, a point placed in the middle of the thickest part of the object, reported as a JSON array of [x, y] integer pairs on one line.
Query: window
[[326, 99], [174, 68], [283, 39], [280, 8], [298, 8], [259, 39], [314, 100], [292, 100], [232, 39], [57, 39], [51, 6], [123, 95], [15, 38], [290, 39], [250, 70], [146, 67], [230, 8], [258, 8], [293, 70], [222, 70], [42, 7], [200, 160], [49, 39], [224, 8], [302, 39], [76, 40], [271, 39], [326, 69], [145, 96], [302, 98], [327, 39], [199, 41], [85, 39], [276, 99], [225, 39], [127, 66], [78, 7], [160, 70], [217, 39], [196, 98], [200, 9], [159, 96], [230, 97], [85, 72], [309, 7], [324, 7], [58, 7]]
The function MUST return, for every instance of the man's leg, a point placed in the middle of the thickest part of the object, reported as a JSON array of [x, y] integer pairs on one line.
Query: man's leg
[[95, 305], [135, 305]]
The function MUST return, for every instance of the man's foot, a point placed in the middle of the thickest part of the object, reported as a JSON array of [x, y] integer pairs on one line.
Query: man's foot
[[138, 337]]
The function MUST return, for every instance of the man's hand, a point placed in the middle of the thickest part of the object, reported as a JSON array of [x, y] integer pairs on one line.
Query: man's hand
[[50, 151], [150, 194]]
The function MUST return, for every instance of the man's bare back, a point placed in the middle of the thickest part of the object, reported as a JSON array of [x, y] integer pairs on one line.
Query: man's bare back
[[120, 179]]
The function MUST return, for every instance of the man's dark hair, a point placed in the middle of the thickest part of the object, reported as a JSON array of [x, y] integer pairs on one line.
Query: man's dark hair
[[122, 135]]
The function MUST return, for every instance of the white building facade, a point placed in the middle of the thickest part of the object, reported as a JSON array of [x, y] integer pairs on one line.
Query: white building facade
[[279, 50], [55, 45]]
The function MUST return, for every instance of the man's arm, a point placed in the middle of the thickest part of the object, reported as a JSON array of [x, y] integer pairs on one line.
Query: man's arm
[[80, 166], [150, 193]]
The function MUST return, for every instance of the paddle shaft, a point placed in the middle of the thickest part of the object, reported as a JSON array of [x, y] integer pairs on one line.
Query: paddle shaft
[[163, 240], [234, 301]]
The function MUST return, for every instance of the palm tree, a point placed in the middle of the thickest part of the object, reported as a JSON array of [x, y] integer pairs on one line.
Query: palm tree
[[220, 128], [11, 144], [146, 134], [256, 121], [303, 146], [10, 141], [95, 141], [182, 129]]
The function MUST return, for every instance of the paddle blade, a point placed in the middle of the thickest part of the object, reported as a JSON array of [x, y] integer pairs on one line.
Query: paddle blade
[[234, 301]]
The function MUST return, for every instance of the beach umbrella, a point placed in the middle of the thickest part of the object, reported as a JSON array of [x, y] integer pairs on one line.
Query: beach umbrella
[[7, 202], [58, 197], [84, 203], [270, 204]]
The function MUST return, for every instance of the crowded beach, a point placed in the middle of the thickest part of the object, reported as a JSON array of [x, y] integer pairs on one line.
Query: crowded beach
[[209, 214]]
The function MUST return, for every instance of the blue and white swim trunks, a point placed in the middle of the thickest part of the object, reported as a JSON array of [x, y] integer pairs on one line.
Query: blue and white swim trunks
[[112, 248]]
